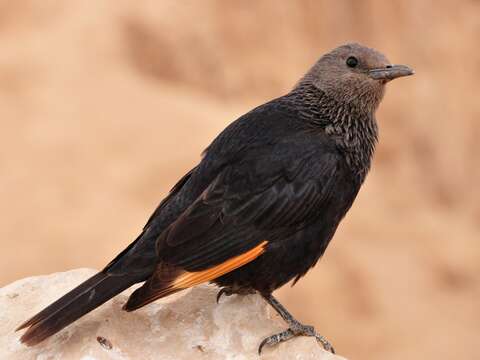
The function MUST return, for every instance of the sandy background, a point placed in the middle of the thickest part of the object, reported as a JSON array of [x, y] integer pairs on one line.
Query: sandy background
[[104, 105]]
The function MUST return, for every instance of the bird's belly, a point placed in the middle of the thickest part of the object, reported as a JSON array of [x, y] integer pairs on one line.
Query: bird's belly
[[283, 260]]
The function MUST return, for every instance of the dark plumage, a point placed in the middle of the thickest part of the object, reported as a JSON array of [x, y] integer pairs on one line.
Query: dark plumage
[[262, 205]]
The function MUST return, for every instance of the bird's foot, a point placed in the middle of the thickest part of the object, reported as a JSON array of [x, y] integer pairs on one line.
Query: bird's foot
[[296, 329], [228, 291], [224, 291]]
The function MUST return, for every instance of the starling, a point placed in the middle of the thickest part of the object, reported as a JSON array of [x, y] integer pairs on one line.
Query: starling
[[262, 205]]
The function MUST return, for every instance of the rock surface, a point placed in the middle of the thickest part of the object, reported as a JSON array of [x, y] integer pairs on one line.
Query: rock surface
[[189, 325]]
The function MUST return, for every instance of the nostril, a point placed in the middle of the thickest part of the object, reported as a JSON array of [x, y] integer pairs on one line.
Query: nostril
[[389, 66]]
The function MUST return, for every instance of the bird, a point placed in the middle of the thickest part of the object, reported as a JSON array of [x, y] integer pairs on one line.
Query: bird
[[262, 204]]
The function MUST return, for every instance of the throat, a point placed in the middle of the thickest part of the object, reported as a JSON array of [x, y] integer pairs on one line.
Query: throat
[[356, 136], [354, 129]]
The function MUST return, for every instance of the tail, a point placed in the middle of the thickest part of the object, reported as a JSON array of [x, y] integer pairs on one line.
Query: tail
[[70, 307]]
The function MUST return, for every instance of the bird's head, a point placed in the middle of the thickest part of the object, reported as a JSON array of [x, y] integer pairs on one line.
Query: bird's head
[[355, 74]]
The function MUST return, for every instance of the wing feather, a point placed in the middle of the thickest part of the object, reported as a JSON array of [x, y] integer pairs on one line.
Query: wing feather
[[248, 206]]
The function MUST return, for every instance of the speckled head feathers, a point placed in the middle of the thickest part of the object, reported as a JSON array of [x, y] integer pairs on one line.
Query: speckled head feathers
[[354, 74]]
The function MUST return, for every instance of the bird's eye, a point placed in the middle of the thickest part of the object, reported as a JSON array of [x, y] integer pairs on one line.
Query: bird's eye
[[352, 61]]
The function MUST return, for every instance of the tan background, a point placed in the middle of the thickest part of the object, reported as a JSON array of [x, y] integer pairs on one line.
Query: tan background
[[104, 105]]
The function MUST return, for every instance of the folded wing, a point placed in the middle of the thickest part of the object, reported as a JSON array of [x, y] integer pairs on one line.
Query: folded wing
[[251, 204]]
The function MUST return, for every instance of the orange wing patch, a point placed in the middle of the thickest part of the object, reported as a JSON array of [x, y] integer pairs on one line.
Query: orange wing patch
[[189, 279], [176, 280]]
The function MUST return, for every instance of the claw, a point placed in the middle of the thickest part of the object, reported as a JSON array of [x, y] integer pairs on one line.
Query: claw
[[325, 343], [262, 344], [276, 339], [219, 295], [223, 291]]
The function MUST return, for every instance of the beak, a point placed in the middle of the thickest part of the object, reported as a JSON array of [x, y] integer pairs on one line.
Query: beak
[[391, 72]]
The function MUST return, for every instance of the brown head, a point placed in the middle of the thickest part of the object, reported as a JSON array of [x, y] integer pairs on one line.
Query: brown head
[[355, 74]]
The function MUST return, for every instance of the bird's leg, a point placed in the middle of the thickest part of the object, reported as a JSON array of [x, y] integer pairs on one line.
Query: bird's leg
[[295, 328]]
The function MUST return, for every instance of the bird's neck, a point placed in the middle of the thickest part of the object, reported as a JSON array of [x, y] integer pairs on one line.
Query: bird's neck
[[354, 131]]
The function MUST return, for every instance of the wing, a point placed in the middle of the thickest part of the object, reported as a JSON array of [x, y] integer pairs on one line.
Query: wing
[[271, 193]]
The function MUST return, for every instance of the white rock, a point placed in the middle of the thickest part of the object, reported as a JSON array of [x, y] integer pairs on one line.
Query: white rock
[[188, 325]]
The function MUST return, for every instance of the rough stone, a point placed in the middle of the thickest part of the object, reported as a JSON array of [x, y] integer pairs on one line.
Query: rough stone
[[188, 325]]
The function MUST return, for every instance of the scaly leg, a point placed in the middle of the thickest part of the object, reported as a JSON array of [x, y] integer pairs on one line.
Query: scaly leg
[[295, 328]]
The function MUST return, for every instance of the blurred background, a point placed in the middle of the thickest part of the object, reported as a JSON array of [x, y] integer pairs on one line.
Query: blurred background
[[104, 105]]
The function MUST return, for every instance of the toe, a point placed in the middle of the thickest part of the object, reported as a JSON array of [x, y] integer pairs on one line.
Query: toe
[[276, 339], [325, 343]]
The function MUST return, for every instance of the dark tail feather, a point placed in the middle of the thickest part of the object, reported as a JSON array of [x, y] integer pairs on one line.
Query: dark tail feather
[[159, 285], [78, 302], [140, 297]]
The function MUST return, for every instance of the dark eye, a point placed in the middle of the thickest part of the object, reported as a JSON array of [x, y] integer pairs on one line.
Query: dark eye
[[352, 61]]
